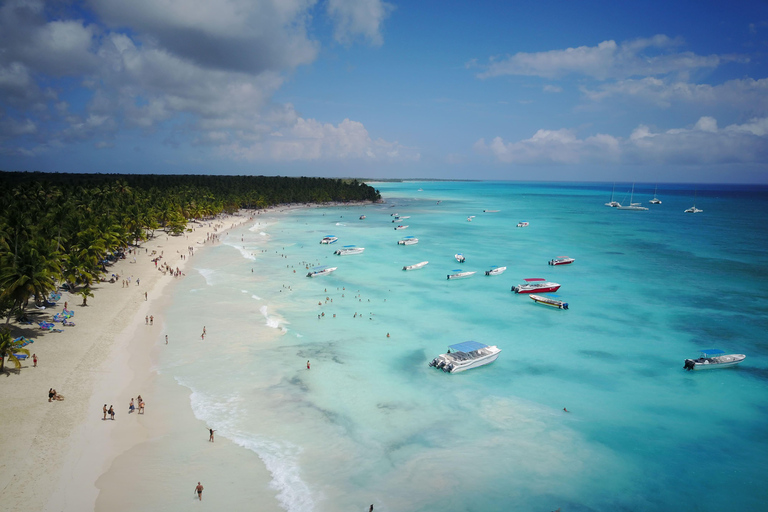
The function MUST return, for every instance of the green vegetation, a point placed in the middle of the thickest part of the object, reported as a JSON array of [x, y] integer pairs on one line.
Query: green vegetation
[[60, 229]]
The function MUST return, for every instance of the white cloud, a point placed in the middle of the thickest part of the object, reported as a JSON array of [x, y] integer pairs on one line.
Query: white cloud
[[358, 18], [639, 57], [703, 143], [309, 140]]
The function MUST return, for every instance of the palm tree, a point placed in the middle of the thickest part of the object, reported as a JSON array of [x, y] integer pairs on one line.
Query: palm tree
[[9, 349], [85, 293], [31, 270]]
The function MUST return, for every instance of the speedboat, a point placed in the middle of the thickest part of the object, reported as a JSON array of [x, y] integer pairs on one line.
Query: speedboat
[[409, 240], [522, 224], [349, 249], [495, 270], [401, 227], [469, 219], [460, 258], [536, 284], [397, 218], [555, 303], [491, 211], [329, 239], [321, 271], [713, 358], [561, 260], [464, 356], [362, 217], [458, 274], [416, 266]]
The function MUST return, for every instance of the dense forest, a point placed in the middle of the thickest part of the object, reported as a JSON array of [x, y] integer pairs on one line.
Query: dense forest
[[58, 229]]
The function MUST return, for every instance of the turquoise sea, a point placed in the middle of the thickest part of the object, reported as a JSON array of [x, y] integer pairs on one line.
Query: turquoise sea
[[370, 422]]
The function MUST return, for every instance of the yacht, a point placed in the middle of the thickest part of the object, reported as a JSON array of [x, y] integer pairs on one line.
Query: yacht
[[632, 206], [522, 224], [409, 240], [321, 271], [536, 284], [329, 239], [401, 227], [713, 358], [561, 260], [458, 274], [460, 258], [655, 199], [555, 303], [693, 208], [464, 356], [349, 249], [612, 203], [416, 266], [495, 271]]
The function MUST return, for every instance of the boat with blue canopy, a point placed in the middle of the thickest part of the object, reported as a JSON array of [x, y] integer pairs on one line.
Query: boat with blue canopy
[[349, 249], [465, 355], [321, 271]]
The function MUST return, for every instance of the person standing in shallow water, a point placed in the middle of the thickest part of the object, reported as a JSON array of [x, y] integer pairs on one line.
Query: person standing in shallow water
[[210, 439], [307, 365]]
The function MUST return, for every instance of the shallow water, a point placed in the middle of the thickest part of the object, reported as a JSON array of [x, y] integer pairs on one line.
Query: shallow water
[[372, 423]]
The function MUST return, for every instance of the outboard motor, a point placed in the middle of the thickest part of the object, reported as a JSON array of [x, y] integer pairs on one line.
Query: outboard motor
[[689, 364], [565, 305], [434, 362]]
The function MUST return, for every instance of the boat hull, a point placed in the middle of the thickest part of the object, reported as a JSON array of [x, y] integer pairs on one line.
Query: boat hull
[[546, 301], [711, 363], [524, 288], [460, 275], [416, 266], [449, 363]]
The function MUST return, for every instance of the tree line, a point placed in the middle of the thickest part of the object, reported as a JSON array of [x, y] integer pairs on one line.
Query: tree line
[[59, 229]]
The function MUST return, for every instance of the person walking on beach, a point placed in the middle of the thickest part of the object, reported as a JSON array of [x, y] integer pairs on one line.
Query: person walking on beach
[[151, 320], [141, 406], [210, 439], [131, 407], [34, 360], [166, 339], [105, 412], [199, 490], [146, 320], [111, 413]]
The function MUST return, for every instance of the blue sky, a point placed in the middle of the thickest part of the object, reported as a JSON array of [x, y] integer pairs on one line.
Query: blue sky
[[549, 90]]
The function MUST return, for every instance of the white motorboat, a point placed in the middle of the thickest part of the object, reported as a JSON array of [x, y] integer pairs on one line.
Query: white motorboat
[[416, 266], [469, 219], [491, 211], [349, 249], [713, 358], [460, 258], [536, 284], [522, 224], [362, 217], [329, 239], [547, 301], [409, 240], [397, 218], [401, 227], [464, 356], [561, 260], [495, 271], [321, 271], [458, 274]]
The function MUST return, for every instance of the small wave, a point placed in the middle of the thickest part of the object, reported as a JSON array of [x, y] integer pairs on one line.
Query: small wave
[[272, 321], [207, 274], [246, 254], [255, 297], [340, 224]]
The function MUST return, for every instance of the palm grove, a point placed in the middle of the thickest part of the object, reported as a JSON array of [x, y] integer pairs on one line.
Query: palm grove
[[58, 230]]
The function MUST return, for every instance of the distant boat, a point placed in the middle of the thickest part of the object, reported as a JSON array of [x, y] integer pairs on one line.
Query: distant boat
[[401, 227], [397, 218], [522, 224], [612, 203], [321, 271], [632, 206], [329, 240], [420, 190], [362, 217], [458, 274], [349, 249], [469, 219], [463, 356], [655, 199], [409, 240], [491, 211], [416, 266], [561, 260], [460, 258], [693, 208], [713, 358], [495, 271]]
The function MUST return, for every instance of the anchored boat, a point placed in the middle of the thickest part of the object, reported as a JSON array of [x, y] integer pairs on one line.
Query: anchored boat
[[536, 284], [416, 266], [495, 271], [321, 271], [555, 303], [349, 249], [713, 358], [464, 356], [409, 240], [561, 260], [329, 239], [458, 274]]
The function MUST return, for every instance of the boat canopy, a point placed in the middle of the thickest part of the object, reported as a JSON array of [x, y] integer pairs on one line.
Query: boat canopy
[[410, 236], [349, 246], [711, 351], [534, 279], [467, 346], [317, 269]]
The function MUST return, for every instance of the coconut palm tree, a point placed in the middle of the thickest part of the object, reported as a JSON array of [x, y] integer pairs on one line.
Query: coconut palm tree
[[9, 349], [85, 293]]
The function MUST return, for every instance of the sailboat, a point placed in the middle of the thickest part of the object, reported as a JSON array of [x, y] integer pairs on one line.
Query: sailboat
[[632, 206], [612, 203], [655, 199], [693, 208]]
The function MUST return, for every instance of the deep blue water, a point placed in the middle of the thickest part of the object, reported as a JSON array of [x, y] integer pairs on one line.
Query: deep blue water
[[371, 422]]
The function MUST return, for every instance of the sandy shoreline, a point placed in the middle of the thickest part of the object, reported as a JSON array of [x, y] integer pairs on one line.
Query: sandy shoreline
[[63, 456]]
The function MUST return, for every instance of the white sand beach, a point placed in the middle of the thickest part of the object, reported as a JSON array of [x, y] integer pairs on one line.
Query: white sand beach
[[53, 453]]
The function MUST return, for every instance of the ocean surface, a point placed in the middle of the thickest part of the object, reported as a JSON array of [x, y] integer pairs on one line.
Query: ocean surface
[[371, 422]]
